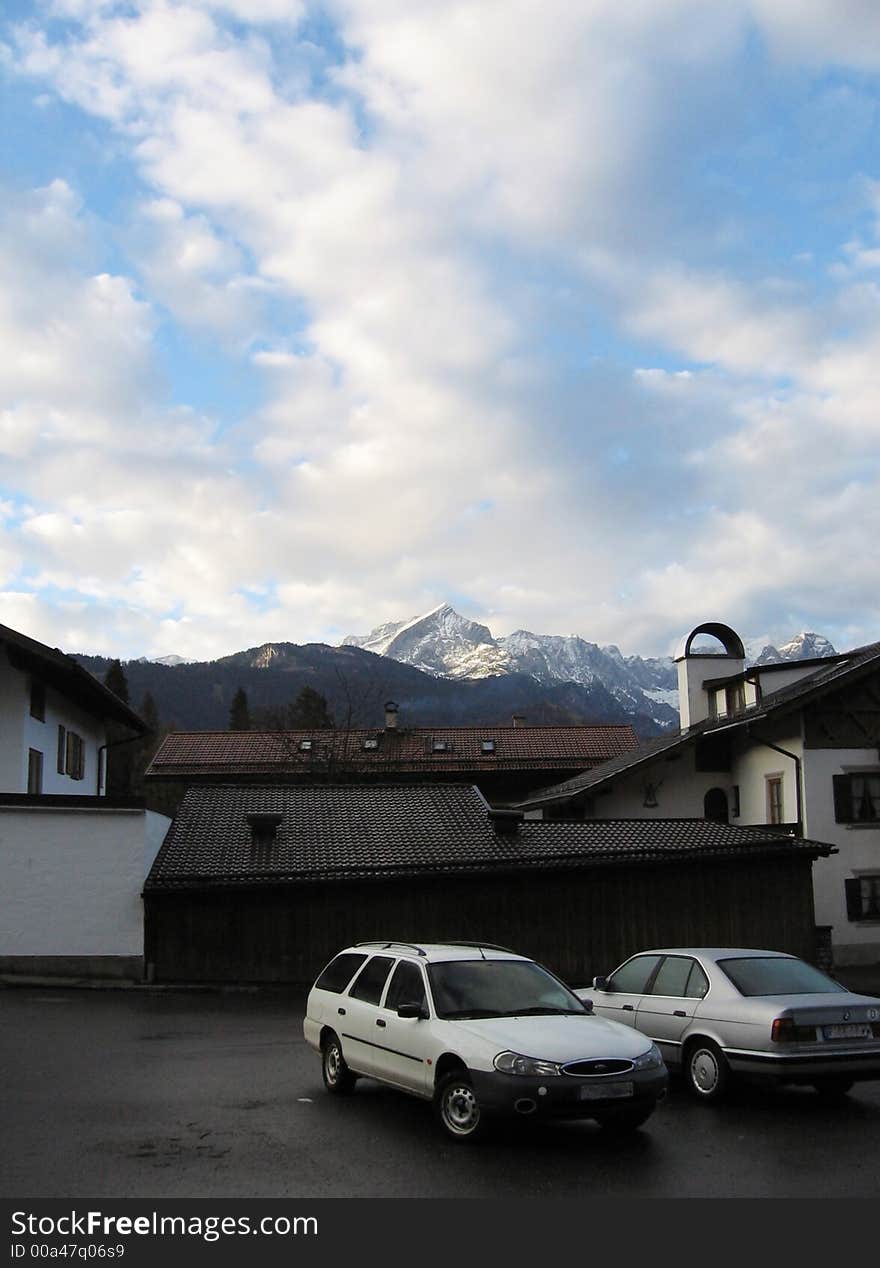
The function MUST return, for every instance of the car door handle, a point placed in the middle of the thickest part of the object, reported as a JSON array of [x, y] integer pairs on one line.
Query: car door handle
[[626, 1008], [380, 1022], [341, 1012], [679, 1012]]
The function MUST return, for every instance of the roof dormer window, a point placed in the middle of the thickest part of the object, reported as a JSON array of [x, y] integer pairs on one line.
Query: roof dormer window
[[487, 746], [371, 743], [440, 746], [305, 746]]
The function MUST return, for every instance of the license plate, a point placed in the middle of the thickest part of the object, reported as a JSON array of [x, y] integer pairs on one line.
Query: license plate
[[855, 1030], [593, 1092]]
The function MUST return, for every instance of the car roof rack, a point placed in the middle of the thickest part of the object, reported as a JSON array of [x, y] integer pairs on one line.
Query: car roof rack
[[480, 946], [387, 945]]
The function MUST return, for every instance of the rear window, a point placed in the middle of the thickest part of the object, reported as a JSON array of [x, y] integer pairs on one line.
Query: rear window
[[340, 971], [775, 975]]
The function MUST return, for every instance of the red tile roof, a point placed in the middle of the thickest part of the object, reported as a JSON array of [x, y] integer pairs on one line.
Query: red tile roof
[[188, 754]]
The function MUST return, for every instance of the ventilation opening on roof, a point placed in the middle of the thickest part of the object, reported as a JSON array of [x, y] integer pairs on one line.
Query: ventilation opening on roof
[[506, 822], [264, 829], [305, 746]]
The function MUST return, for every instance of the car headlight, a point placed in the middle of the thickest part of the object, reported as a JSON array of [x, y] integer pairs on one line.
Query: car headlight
[[513, 1063], [649, 1060]]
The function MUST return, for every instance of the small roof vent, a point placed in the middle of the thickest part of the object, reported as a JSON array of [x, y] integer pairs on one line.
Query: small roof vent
[[505, 821], [264, 827]]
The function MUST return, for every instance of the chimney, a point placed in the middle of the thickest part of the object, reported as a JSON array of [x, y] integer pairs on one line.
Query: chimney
[[264, 827], [390, 715], [519, 719], [505, 822], [695, 668]]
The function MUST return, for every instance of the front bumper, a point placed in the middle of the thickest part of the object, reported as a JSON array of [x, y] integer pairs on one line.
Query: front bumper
[[561, 1096]]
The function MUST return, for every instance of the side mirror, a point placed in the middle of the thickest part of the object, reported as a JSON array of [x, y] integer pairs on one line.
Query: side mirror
[[411, 1010], [588, 1005], [600, 983]]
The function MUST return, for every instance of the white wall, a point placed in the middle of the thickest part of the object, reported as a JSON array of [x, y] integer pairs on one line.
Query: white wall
[[752, 765], [859, 847], [679, 789], [13, 709], [71, 879], [44, 736]]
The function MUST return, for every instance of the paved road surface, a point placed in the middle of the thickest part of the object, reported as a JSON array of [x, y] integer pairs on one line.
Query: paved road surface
[[134, 1094]]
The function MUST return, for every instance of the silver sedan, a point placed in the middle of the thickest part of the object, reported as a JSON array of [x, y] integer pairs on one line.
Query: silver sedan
[[717, 1012]]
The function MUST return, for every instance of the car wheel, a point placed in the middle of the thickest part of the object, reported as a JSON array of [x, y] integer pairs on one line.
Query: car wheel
[[458, 1109], [620, 1121], [706, 1071], [337, 1076], [833, 1088]]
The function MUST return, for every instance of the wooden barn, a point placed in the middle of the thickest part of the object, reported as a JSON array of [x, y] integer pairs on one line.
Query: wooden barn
[[264, 883]]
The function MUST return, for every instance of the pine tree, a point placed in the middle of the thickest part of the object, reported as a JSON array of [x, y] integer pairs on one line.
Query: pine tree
[[309, 709], [239, 713], [116, 680], [149, 711]]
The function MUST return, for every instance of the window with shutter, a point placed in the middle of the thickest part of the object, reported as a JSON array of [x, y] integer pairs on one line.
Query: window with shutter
[[857, 797]]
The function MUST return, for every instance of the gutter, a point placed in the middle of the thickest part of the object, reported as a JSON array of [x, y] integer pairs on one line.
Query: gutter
[[797, 773], [103, 748]]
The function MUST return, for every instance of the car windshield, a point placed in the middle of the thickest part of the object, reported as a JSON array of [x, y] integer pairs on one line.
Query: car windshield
[[499, 988], [777, 975]]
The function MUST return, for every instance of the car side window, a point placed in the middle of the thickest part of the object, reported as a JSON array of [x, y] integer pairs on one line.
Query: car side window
[[697, 984], [672, 976], [407, 986], [371, 979], [340, 971], [632, 978]]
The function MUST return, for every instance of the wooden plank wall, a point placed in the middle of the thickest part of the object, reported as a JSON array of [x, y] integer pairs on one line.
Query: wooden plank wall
[[577, 923]]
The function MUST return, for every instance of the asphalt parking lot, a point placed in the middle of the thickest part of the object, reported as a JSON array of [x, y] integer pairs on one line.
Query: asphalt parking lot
[[119, 1093]]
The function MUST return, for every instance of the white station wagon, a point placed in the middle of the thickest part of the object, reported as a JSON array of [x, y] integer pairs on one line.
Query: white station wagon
[[481, 1031]]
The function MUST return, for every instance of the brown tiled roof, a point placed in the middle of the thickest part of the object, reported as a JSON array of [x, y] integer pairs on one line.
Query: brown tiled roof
[[221, 754], [348, 831]]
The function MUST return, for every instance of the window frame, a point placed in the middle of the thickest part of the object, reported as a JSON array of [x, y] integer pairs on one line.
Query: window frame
[[855, 898], [775, 780], [37, 704], [35, 772], [845, 801]]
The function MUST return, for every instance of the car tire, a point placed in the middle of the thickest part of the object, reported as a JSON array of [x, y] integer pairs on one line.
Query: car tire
[[834, 1088], [619, 1122], [457, 1108], [338, 1079], [706, 1071]]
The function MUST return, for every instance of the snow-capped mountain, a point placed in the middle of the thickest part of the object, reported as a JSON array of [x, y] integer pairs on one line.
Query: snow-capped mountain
[[804, 646], [447, 645], [164, 660], [444, 643]]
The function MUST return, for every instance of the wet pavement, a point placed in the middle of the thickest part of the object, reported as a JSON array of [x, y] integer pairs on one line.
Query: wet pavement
[[133, 1093]]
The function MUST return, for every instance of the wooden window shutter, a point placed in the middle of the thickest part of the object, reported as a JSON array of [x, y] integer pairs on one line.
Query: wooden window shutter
[[843, 809], [61, 762], [853, 888]]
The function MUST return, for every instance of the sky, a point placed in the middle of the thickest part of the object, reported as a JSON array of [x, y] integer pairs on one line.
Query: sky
[[314, 316]]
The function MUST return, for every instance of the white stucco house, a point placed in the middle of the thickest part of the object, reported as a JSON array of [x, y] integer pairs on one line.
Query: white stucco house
[[793, 743], [72, 860]]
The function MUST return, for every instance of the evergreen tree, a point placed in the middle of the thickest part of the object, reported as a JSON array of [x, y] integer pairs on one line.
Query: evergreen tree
[[239, 713], [309, 710], [149, 712], [116, 680]]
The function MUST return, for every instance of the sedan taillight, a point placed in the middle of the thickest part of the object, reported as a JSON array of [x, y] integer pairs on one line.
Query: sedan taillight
[[784, 1030]]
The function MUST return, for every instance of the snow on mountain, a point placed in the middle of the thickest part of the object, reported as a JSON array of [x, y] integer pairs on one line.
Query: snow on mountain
[[447, 645], [164, 660]]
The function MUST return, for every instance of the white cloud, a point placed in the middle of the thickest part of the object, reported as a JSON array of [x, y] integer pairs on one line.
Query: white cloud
[[413, 439]]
